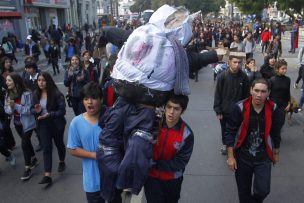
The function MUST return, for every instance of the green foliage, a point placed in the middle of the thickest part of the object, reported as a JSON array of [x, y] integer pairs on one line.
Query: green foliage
[[140, 5], [296, 6], [251, 7]]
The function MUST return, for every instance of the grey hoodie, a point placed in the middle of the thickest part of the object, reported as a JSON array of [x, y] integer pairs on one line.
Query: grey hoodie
[[24, 109]]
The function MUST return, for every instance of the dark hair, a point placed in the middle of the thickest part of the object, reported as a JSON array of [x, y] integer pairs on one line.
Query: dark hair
[[248, 61], [3, 51], [31, 65], [91, 89], [268, 57], [19, 84], [182, 100], [29, 59], [51, 90], [279, 64], [262, 81], [2, 63], [86, 52], [78, 60]]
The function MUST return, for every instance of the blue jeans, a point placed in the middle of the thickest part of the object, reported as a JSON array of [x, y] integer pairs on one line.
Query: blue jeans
[[301, 100], [257, 171]]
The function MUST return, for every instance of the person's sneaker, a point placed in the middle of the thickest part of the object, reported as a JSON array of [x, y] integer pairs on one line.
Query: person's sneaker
[[61, 167], [27, 174], [34, 163], [11, 159], [46, 180], [224, 150], [295, 85], [299, 110]]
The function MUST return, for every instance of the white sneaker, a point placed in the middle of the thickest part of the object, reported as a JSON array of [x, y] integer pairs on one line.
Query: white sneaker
[[295, 85]]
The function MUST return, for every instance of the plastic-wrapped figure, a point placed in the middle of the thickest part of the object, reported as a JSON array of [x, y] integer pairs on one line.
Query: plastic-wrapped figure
[[150, 65]]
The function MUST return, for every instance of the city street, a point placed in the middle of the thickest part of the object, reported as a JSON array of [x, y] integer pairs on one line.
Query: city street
[[206, 179]]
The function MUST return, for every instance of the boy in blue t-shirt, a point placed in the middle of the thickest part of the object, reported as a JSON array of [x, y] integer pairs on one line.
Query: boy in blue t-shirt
[[83, 139]]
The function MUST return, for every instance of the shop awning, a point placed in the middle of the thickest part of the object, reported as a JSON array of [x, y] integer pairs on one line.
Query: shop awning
[[13, 14]]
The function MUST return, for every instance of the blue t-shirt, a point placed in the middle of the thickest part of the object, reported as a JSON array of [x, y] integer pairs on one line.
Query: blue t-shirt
[[85, 135]]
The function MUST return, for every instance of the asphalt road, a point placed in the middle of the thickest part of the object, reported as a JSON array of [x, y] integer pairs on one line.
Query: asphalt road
[[206, 179]]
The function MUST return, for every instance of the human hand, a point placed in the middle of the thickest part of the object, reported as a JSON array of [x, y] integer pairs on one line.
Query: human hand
[[79, 78], [219, 116], [43, 116], [276, 157], [11, 103], [37, 108], [231, 162], [287, 107]]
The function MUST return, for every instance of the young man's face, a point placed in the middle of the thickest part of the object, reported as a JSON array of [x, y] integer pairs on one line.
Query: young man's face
[[172, 112], [259, 93], [234, 65], [92, 105], [31, 71]]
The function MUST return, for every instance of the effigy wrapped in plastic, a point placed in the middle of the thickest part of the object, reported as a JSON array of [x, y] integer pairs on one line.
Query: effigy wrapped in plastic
[[151, 64], [148, 61]]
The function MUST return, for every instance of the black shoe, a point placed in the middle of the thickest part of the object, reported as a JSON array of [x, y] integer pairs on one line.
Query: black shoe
[[58, 71], [38, 148], [46, 180], [27, 174], [61, 167], [34, 163]]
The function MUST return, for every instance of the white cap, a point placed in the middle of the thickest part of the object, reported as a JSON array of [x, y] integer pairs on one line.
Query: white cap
[[29, 37]]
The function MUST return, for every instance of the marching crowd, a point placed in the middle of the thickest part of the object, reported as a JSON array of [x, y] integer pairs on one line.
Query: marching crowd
[[250, 99]]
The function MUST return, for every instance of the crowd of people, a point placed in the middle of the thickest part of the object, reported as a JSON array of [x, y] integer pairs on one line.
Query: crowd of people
[[249, 102]]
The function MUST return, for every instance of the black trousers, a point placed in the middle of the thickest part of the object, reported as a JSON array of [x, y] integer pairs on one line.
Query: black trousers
[[26, 144], [163, 191], [223, 122], [48, 132], [258, 172]]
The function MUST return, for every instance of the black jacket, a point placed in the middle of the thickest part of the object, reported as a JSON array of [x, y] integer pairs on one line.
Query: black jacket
[[267, 71], [230, 89], [56, 111]]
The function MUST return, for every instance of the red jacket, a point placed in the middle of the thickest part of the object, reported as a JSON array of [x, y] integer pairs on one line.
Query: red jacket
[[172, 151], [265, 36]]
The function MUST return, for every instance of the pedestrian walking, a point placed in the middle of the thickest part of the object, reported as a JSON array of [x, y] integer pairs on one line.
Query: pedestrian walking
[[18, 103], [31, 48], [9, 49], [49, 106], [265, 38], [280, 89], [75, 78], [301, 68], [89, 66], [267, 69], [171, 154], [249, 45], [232, 86], [251, 70], [275, 47], [54, 55], [294, 37], [255, 128], [83, 141]]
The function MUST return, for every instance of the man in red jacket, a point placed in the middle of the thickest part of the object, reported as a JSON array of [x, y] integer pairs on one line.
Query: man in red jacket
[[253, 140], [265, 38], [171, 154]]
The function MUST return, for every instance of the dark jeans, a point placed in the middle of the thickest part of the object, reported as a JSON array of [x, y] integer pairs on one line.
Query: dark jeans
[[55, 66], [257, 171], [223, 122], [3, 146], [94, 197], [77, 106], [26, 144], [47, 132], [129, 170], [264, 46], [9, 137], [163, 191]]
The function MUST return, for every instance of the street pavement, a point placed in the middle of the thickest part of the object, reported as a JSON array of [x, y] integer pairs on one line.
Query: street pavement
[[206, 179]]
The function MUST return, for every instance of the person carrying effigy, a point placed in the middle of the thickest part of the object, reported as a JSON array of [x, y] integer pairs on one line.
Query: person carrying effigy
[[152, 64]]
